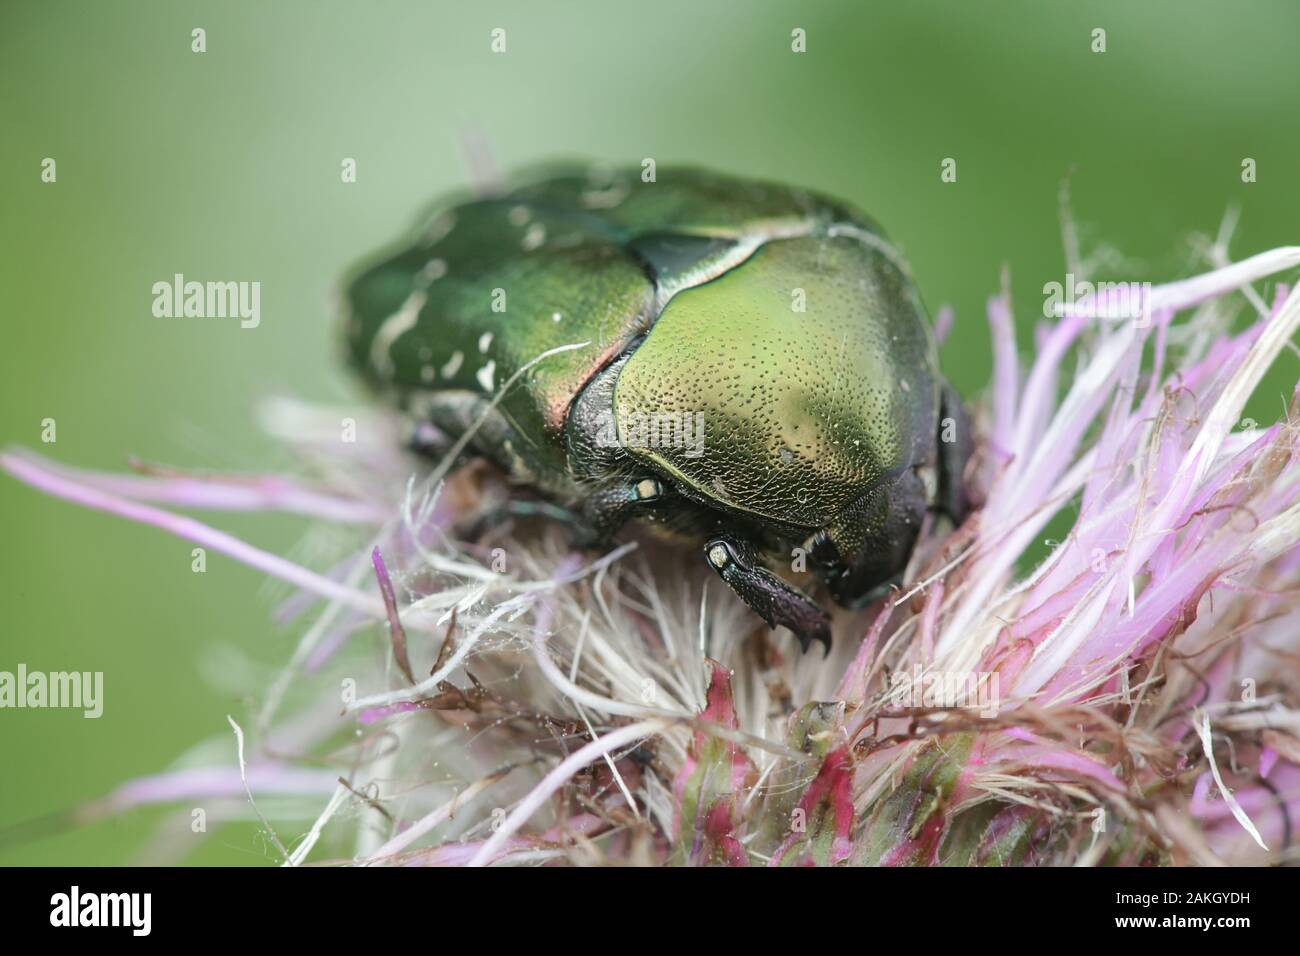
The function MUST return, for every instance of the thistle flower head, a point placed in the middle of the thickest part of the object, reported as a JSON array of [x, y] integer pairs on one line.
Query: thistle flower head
[[1133, 698]]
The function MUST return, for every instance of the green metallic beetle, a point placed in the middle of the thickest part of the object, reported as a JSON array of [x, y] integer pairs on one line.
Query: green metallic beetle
[[744, 365]]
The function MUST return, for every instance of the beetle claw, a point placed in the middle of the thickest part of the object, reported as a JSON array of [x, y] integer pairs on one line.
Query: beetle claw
[[821, 632]]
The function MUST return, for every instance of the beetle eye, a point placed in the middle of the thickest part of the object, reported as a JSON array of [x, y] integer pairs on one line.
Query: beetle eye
[[647, 489]]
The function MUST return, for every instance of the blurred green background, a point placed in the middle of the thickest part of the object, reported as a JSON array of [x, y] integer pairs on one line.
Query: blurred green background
[[225, 165]]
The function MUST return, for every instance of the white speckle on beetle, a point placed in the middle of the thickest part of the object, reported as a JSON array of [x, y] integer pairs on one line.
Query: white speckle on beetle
[[427, 373], [426, 353], [484, 341], [534, 237], [718, 556], [555, 316], [902, 383], [605, 198], [453, 364], [433, 270], [486, 375], [403, 320], [519, 215]]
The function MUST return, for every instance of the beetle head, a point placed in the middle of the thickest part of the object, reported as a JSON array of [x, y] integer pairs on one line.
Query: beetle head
[[868, 546]]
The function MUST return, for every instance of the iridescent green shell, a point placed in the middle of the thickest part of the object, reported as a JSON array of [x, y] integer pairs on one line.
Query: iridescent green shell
[[803, 410]]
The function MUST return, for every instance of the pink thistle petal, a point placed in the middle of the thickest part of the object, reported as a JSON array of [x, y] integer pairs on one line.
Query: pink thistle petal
[[713, 776], [827, 815], [184, 527]]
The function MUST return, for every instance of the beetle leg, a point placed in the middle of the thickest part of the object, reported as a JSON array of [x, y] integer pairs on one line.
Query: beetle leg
[[771, 598], [956, 444]]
